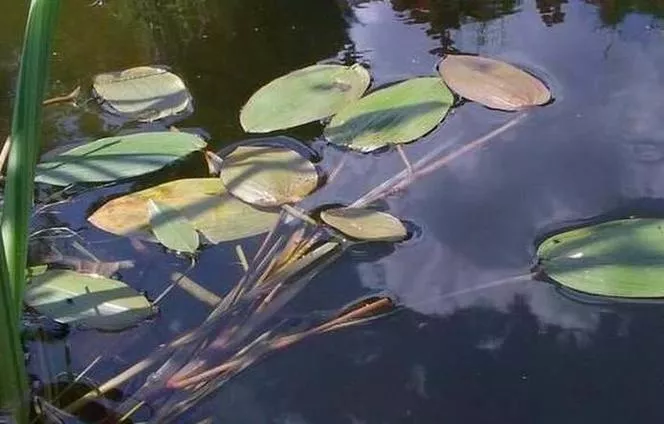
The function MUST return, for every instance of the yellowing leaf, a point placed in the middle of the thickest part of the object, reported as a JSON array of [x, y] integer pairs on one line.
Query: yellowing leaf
[[203, 201], [268, 176], [365, 224]]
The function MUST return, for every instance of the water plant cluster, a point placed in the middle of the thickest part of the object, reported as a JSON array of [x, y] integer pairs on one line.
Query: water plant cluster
[[253, 189]]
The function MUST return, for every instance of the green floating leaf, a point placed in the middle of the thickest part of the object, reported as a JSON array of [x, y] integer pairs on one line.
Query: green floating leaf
[[88, 300], [35, 270], [492, 83], [145, 93], [623, 258], [303, 96], [117, 158], [397, 114], [203, 201], [365, 224], [268, 176], [171, 229]]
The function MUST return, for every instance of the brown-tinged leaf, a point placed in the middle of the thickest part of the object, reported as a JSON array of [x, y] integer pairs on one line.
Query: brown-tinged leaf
[[203, 201], [365, 224], [492, 83]]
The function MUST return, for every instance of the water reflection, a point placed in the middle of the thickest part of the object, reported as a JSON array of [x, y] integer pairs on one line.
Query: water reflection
[[443, 16], [223, 49], [614, 12], [227, 49], [474, 366], [598, 147], [551, 11]]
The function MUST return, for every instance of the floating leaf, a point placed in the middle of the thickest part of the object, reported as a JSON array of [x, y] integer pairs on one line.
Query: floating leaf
[[35, 270], [398, 114], [365, 224], [171, 229], [88, 300], [492, 83], [203, 201], [303, 96], [145, 93], [282, 141], [268, 176], [623, 258], [117, 158]]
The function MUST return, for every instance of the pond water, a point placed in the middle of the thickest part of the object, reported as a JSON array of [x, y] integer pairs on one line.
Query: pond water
[[519, 352]]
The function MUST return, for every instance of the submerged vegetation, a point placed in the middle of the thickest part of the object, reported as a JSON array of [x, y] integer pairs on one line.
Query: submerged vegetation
[[254, 188]]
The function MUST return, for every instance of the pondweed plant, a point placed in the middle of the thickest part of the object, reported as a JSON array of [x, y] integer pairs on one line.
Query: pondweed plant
[[18, 201], [239, 331], [244, 325]]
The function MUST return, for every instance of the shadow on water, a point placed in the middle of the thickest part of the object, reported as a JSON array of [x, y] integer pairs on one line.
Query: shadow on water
[[229, 49]]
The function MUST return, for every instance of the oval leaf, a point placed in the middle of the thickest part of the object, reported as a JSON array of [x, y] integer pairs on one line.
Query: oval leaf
[[303, 96], [492, 83], [398, 114], [88, 300], [203, 201], [268, 176], [623, 258], [145, 93], [365, 224], [117, 158], [171, 229]]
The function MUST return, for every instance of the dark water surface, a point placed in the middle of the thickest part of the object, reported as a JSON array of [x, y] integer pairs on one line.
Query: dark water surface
[[521, 352]]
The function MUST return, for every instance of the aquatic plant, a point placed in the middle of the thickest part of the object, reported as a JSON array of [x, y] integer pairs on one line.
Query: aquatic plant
[[18, 197], [255, 187], [271, 174]]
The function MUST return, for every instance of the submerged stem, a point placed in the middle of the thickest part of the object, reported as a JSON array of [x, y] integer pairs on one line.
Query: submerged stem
[[267, 287], [428, 164], [177, 281], [404, 158], [497, 283]]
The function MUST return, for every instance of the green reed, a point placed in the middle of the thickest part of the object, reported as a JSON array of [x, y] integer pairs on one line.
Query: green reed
[[18, 200]]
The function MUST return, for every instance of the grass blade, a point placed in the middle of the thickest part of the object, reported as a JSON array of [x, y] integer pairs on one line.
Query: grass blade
[[14, 381], [19, 186], [25, 136]]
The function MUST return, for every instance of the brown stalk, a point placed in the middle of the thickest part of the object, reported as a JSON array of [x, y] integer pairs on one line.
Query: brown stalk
[[423, 166], [426, 164], [242, 359], [71, 97], [4, 153]]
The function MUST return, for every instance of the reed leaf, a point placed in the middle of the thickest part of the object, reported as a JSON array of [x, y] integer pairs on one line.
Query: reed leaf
[[14, 382], [19, 185], [25, 136]]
